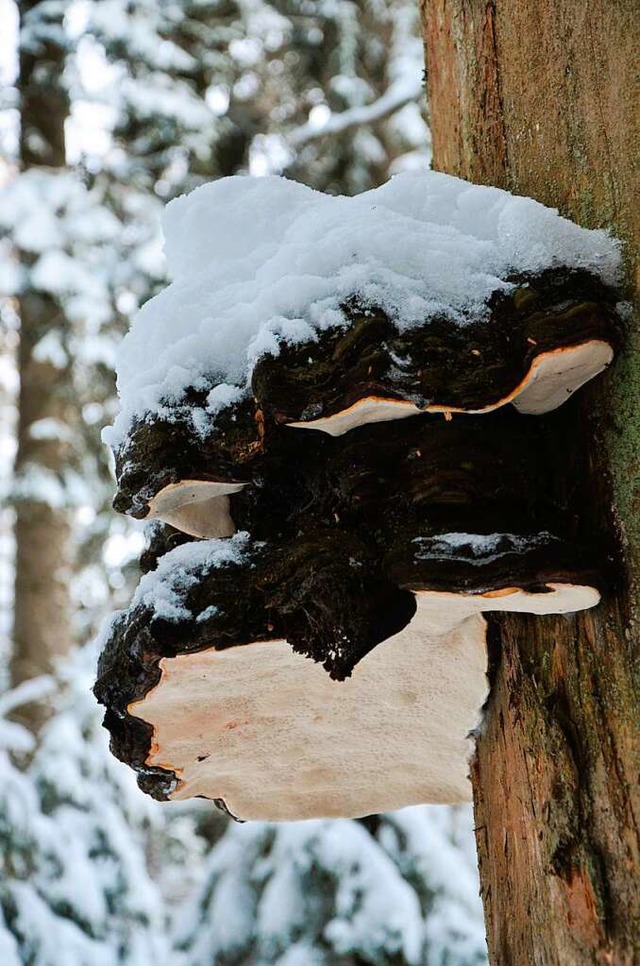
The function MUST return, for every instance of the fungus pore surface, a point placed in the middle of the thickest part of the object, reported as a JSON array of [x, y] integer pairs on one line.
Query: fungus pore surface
[[268, 732], [271, 735]]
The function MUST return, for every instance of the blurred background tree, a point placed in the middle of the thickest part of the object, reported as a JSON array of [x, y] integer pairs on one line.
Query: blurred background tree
[[111, 108]]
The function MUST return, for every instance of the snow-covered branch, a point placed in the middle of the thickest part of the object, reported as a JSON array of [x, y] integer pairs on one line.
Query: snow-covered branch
[[397, 96]]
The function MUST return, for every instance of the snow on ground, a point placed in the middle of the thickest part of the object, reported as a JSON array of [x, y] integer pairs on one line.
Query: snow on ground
[[258, 261]]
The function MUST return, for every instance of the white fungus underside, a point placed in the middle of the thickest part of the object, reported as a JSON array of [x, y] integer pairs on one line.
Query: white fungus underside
[[553, 377], [283, 741], [259, 261], [197, 507]]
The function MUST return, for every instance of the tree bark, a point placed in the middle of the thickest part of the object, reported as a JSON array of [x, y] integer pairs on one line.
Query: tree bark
[[42, 615], [543, 98]]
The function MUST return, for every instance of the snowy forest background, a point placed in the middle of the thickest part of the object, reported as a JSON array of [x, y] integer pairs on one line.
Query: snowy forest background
[[110, 108]]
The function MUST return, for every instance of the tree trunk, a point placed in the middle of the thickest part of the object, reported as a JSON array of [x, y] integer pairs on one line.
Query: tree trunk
[[42, 617], [542, 98]]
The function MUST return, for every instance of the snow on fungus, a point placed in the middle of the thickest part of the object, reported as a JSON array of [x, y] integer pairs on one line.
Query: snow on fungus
[[308, 640], [263, 263]]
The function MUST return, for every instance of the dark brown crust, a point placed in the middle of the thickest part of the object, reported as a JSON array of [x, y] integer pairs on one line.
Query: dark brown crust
[[127, 672], [469, 366], [333, 600], [334, 522], [338, 557], [546, 561], [159, 451], [428, 475], [441, 363]]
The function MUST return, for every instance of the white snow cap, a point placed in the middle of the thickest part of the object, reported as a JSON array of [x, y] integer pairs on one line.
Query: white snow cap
[[258, 261]]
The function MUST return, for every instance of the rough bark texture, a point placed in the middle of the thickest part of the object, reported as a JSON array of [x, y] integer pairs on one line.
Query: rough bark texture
[[543, 99], [42, 616]]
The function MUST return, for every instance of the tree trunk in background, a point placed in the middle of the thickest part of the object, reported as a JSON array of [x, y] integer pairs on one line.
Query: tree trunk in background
[[42, 621], [542, 98]]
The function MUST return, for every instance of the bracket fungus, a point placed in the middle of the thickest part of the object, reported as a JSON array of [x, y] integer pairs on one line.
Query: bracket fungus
[[370, 550], [546, 336], [206, 697]]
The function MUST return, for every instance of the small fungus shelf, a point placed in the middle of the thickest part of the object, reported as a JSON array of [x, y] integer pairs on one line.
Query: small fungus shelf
[[308, 639], [543, 339]]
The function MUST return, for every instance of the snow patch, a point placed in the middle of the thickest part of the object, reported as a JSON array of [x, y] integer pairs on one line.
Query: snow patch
[[163, 589], [478, 547], [50, 428], [320, 892]]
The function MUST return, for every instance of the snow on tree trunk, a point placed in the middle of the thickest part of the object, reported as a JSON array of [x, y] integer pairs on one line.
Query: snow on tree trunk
[[42, 616], [543, 99]]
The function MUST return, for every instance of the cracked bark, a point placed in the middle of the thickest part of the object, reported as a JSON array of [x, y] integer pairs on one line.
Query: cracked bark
[[543, 99]]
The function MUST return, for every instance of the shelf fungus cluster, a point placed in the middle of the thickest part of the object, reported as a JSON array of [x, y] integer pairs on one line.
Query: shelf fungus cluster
[[308, 637]]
